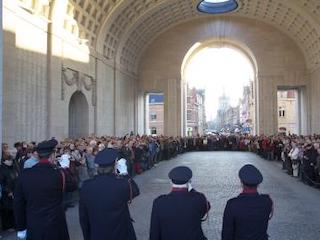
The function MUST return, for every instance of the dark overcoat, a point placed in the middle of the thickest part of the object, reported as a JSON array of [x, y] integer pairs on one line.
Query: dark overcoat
[[310, 161], [103, 208], [8, 179], [246, 217], [38, 203], [178, 215]]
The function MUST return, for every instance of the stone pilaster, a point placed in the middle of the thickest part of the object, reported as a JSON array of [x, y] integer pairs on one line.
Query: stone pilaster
[[1, 73]]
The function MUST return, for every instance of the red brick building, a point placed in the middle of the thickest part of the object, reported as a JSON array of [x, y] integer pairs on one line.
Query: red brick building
[[196, 118]]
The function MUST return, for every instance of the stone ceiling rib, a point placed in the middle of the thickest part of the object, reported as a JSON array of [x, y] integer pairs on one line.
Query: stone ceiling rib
[[88, 14], [150, 26], [132, 24], [287, 17]]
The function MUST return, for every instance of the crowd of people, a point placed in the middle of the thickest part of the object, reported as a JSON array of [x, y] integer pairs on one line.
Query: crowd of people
[[300, 157], [77, 157]]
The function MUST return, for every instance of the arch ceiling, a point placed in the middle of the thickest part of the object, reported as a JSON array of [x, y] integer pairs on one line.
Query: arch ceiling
[[122, 29]]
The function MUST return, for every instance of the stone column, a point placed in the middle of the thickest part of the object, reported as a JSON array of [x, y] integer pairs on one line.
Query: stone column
[[135, 92], [54, 67], [184, 90], [1, 73], [146, 114], [140, 112], [115, 99], [268, 109], [172, 109]]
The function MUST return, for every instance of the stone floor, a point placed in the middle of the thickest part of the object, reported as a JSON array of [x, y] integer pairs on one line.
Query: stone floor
[[297, 212]]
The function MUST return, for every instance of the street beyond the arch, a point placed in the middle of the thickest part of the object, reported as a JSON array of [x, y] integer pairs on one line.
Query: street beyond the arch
[[296, 215]]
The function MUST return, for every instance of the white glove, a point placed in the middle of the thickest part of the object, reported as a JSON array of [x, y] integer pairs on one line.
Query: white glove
[[22, 234], [122, 167], [65, 161]]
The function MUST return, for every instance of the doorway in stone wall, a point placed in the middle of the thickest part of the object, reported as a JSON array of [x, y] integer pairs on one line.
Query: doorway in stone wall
[[220, 89], [78, 116], [154, 113], [289, 110]]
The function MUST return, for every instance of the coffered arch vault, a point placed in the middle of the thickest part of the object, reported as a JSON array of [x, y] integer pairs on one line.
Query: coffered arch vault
[[131, 28], [111, 41], [279, 63], [121, 29]]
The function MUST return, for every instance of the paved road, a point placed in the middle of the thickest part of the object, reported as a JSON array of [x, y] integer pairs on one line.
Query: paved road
[[297, 212]]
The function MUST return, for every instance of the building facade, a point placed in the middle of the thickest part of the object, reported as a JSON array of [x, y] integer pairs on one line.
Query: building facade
[[196, 116], [223, 106], [247, 109], [288, 111], [232, 118], [228, 117], [83, 67], [155, 113]]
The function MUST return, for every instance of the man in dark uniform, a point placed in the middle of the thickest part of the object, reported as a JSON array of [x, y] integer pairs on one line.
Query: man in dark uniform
[[103, 206], [38, 200], [246, 217], [178, 215]]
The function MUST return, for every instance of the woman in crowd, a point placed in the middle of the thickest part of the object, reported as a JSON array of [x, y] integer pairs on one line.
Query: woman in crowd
[[293, 164]]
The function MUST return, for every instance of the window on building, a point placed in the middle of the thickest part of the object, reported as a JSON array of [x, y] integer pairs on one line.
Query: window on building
[[217, 6], [153, 116], [281, 112], [154, 113], [291, 94], [189, 115], [288, 110], [153, 130], [188, 99]]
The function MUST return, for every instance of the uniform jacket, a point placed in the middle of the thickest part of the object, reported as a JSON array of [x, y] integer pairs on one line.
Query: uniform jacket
[[178, 215], [246, 217], [38, 203], [103, 208]]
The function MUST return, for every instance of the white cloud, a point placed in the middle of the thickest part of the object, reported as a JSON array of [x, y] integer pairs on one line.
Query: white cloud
[[217, 70]]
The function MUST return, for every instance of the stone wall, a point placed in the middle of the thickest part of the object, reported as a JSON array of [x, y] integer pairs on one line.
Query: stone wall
[[24, 75], [315, 101], [124, 105], [279, 62], [44, 66], [105, 89], [46, 62]]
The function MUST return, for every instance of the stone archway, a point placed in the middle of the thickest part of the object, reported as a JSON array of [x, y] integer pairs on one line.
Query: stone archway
[[280, 62], [218, 43], [78, 115]]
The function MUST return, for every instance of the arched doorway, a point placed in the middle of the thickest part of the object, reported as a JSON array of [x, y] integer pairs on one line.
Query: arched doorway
[[78, 116], [244, 114], [160, 67]]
